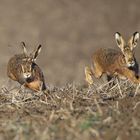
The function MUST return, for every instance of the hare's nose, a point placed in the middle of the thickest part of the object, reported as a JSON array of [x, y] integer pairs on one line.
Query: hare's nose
[[132, 63], [27, 75]]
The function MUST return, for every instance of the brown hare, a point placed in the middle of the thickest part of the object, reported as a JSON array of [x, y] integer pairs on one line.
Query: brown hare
[[23, 69], [115, 63]]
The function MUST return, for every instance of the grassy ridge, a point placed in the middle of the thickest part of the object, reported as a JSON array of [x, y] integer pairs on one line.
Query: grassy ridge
[[73, 112]]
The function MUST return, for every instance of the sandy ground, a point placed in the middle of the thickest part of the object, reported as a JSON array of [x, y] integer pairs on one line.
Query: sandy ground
[[68, 30]]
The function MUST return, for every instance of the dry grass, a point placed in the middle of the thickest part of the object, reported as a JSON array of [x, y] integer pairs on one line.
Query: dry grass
[[73, 112]]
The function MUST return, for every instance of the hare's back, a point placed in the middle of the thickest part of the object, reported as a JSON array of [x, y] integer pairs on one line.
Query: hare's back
[[16, 59], [105, 56], [15, 62], [13, 67]]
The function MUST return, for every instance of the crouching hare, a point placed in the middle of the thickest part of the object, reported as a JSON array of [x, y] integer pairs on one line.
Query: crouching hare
[[23, 69], [115, 63]]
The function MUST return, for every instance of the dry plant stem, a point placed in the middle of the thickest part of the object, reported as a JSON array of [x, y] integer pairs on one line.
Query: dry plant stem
[[113, 87], [98, 107], [4, 90], [96, 133], [51, 116], [105, 84], [123, 82], [91, 111], [107, 120], [117, 105], [119, 88], [136, 90], [73, 132], [28, 98], [136, 105]]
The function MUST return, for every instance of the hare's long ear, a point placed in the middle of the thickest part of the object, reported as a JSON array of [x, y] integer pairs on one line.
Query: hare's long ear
[[119, 40], [133, 41], [24, 48], [37, 52]]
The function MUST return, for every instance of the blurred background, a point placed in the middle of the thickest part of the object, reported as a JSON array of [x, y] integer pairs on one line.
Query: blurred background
[[69, 31]]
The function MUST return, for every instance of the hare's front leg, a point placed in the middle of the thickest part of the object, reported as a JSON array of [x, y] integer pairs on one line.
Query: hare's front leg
[[131, 75]]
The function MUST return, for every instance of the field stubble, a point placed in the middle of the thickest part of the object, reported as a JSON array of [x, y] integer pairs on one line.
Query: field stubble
[[108, 111]]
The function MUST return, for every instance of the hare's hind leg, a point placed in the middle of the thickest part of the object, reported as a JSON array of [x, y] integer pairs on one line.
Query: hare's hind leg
[[88, 74], [97, 70]]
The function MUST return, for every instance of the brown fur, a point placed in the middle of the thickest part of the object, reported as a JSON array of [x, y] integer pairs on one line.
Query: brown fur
[[113, 62], [20, 62]]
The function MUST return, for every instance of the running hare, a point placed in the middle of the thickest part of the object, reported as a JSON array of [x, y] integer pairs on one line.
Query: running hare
[[23, 69], [115, 63]]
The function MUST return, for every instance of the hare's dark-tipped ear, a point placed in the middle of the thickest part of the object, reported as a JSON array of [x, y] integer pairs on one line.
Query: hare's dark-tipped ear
[[133, 41], [37, 52], [119, 40], [24, 48]]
